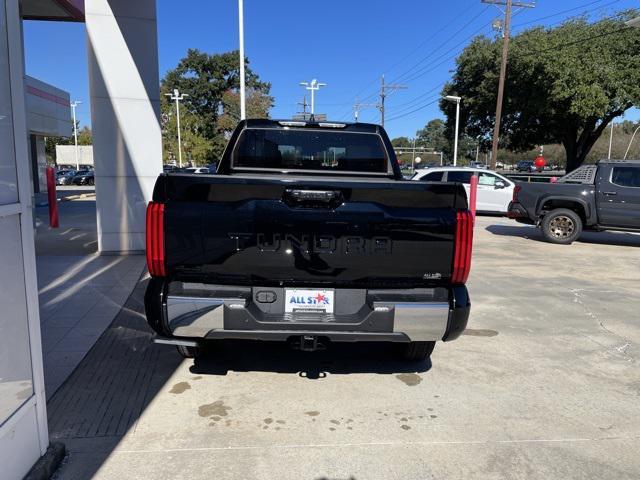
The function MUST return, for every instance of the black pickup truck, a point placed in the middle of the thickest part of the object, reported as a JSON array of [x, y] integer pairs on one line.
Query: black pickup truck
[[307, 233], [605, 196]]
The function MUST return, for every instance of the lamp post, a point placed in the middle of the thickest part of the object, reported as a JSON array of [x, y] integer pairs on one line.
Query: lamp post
[[457, 100], [631, 143], [243, 108], [74, 104], [176, 96], [313, 86]]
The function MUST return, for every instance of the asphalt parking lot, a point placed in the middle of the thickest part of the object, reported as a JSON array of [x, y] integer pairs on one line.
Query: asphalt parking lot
[[544, 385]]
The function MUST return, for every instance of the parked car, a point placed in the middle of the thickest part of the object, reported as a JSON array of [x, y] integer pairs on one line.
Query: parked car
[[605, 196], [196, 170], [307, 234], [84, 178], [170, 168], [494, 190], [478, 165], [526, 166], [65, 177]]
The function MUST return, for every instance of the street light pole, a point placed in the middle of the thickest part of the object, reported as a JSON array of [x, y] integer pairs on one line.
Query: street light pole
[[457, 100], [313, 86], [176, 96], [243, 107], [413, 159], [74, 104], [610, 141], [631, 143]]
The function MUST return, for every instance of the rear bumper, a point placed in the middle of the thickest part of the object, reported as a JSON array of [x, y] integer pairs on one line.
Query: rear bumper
[[518, 212], [198, 311]]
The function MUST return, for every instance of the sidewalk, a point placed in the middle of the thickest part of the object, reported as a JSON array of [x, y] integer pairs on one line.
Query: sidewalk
[[80, 291]]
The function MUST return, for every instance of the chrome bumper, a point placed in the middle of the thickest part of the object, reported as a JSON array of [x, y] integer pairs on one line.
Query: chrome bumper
[[197, 311]]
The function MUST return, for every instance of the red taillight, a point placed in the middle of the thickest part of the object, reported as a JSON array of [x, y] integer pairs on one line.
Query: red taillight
[[516, 191], [155, 239], [464, 241]]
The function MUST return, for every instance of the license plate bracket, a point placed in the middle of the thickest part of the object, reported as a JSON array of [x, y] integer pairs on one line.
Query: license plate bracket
[[309, 300]]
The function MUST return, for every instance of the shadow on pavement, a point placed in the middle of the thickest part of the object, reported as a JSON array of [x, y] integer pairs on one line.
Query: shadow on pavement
[[337, 359], [596, 238]]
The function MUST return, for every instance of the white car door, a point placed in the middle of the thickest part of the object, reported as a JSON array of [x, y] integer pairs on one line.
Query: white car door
[[495, 197]]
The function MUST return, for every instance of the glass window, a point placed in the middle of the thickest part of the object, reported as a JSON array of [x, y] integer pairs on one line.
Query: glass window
[[15, 355], [310, 150], [459, 176], [626, 176], [432, 177], [8, 176], [487, 179]]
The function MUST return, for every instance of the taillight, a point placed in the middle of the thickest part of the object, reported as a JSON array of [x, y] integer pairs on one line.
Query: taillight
[[516, 191], [155, 239], [463, 244]]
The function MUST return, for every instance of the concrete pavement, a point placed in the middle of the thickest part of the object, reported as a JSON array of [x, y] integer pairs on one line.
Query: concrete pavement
[[545, 384], [80, 291]]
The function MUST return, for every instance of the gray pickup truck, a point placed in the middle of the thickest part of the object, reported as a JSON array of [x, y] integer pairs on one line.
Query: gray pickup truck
[[605, 196]]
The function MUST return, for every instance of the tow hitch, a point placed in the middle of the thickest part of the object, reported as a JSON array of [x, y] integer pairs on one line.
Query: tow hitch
[[308, 343]]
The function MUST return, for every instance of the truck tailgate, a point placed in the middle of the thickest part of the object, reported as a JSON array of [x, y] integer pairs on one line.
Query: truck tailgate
[[297, 231]]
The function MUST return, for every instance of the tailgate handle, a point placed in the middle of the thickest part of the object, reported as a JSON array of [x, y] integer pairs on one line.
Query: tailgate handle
[[324, 196]]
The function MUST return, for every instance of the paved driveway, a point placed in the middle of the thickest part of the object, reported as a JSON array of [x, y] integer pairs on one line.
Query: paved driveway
[[544, 385]]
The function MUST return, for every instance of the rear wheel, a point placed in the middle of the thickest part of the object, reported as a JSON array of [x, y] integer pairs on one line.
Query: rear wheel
[[562, 226], [188, 352], [417, 351]]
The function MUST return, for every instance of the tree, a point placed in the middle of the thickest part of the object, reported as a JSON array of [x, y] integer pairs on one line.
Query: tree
[[212, 108], [564, 85], [433, 136], [401, 142]]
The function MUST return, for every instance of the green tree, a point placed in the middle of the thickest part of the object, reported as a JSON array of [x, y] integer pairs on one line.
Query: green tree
[[401, 142], [564, 85], [211, 109], [433, 136]]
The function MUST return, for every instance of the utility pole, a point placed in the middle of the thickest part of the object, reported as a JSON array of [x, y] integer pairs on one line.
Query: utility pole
[[503, 67], [314, 85], [243, 107], [384, 88], [74, 104], [304, 105], [176, 96]]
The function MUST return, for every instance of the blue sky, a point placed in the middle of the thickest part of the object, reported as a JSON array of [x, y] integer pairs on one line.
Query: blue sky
[[347, 44]]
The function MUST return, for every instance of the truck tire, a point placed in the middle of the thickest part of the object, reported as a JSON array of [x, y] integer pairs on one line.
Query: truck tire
[[188, 352], [561, 226], [417, 351]]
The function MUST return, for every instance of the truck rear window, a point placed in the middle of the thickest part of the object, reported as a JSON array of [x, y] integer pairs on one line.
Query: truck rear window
[[314, 150]]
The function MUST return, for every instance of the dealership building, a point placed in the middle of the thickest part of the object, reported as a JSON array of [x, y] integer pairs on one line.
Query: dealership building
[[125, 109]]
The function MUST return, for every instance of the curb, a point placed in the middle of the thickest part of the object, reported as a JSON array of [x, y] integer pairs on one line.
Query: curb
[[47, 464], [76, 197]]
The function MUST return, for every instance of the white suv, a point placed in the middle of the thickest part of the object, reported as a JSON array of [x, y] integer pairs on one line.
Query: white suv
[[494, 191]]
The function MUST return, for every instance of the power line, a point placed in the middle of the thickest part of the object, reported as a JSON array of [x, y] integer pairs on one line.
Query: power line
[[445, 26], [423, 59], [503, 69], [566, 11], [576, 42]]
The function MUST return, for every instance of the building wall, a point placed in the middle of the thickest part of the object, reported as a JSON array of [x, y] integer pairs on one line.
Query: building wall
[[66, 154], [48, 110]]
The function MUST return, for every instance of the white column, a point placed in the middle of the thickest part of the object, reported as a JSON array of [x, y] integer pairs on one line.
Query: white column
[[125, 113]]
